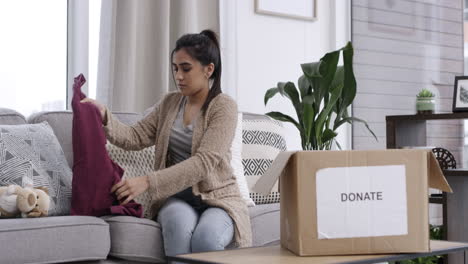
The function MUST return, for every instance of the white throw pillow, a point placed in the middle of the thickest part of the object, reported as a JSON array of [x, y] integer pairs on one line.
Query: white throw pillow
[[236, 163], [135, 164]]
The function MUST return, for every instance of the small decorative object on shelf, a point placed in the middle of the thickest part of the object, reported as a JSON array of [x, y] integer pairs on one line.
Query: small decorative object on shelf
[[445, 158], [425, 102]]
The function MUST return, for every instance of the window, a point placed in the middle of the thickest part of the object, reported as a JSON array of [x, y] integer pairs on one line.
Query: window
[[94, 26], [33, 52]]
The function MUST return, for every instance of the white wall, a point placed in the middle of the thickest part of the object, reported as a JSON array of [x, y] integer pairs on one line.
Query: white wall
[[400, 48], [269, 49]]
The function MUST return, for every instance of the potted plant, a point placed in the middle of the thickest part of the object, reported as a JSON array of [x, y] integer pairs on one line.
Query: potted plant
[[425, 102], [325, 92]]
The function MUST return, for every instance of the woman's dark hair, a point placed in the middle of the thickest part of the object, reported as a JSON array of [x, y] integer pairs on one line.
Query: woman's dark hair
[[204, 47]]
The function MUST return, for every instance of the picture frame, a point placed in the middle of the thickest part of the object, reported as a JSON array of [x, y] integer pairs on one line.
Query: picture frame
[[295, 9], [460, 94]]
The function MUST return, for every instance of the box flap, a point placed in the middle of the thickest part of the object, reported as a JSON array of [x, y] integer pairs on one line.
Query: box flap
[[269, 178], [436, 176]]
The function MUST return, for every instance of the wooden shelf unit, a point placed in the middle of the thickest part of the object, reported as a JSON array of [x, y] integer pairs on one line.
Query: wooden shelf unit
[[456, 172], [410, 130]]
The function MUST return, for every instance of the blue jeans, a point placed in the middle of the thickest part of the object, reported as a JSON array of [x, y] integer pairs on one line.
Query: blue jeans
[[185, 230]]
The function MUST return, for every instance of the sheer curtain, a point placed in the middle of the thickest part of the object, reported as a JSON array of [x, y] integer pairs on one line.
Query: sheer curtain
[[136, 39]]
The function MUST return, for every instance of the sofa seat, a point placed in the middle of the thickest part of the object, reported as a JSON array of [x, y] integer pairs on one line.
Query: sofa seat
[[136, 239], [140, 239], [265, 222], [53, 239]]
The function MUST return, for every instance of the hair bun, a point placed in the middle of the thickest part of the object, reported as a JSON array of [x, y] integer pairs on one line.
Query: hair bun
[[211, 35]]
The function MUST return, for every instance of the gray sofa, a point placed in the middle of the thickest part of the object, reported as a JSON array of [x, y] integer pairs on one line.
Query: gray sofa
[[86, 239]]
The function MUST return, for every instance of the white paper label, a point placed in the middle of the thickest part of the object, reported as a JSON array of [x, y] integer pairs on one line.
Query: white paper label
[[366, 201]]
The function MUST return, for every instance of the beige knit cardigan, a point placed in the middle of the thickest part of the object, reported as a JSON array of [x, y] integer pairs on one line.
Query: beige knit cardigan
[[207, 171]]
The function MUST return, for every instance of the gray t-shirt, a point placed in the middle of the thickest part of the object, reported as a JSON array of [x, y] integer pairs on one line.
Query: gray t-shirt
[[180, 140], [180, 149]]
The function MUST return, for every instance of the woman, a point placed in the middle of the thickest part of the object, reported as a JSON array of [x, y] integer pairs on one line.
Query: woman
[[195, 195]]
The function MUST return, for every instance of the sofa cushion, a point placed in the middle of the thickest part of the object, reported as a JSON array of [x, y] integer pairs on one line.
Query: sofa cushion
[[136, 239], [135, 164], [11, 117], [265, 221], [31, 154], [53, 239], [263, 139], [61, 123]]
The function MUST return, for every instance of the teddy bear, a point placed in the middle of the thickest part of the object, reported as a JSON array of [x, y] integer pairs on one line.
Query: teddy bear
[[27, 202], [41, 205]]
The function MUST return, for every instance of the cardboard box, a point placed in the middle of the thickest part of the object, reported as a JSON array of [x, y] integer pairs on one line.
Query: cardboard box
[[354, 202]]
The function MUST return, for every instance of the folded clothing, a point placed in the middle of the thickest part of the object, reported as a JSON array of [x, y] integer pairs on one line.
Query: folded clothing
[[94, 173]]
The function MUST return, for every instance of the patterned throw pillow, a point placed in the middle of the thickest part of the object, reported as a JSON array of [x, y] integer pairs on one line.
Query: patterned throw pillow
[[236, 163], [135, 163], [32, 154], [262, 140]]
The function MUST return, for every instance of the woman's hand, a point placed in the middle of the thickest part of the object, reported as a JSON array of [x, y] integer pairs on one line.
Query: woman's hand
[[130, 188], [101, 107]]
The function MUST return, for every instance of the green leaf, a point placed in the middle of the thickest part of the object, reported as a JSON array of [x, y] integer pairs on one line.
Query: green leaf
[[320, 75], [308, 116], [280, 86], [341, 122], [349, 89], [291, 91], [365, 123], [345, 74], [313, 75], [311, 70], [338, 83], [324, 114], [284, 118], [270, 93], [338, 145], [345, 112], [338, 79], [309, 99], [351, 119], [328, 70], [304, 85], [328, 134]]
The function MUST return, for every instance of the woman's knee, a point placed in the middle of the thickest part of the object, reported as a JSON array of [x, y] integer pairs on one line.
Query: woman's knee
[[204, 240], [213, 233], [175, 209], [177, 217]]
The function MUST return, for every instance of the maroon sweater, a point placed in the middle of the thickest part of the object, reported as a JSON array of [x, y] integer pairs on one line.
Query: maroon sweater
[[94, 173]]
